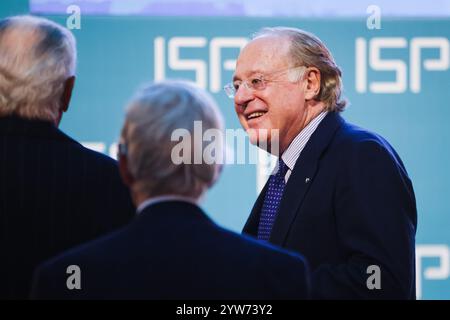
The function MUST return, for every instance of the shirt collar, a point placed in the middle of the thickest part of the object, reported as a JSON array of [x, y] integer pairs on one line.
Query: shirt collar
[[297, 145], [170, 197]]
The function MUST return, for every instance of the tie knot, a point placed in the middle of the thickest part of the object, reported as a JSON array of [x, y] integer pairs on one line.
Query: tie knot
[[282, 168]]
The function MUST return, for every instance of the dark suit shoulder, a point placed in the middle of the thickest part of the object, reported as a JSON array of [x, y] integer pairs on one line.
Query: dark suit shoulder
[[93, 155], [93, 252], [107, 162], [270, 262], [354, 141], [50, 277], [264, 250], [352, 135]]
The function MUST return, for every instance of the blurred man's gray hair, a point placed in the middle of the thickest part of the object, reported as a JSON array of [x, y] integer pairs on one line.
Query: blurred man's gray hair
[[37, 56], [155, 113]]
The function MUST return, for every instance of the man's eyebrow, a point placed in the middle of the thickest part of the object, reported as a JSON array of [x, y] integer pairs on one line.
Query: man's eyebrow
[[249, 74]]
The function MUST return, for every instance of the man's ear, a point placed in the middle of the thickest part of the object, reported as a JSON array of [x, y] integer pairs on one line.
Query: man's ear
[[67, 93], [127, 177], [313, 80]]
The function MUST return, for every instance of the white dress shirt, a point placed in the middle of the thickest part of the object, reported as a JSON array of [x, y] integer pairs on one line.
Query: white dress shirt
[[164, 198], [290, 156]]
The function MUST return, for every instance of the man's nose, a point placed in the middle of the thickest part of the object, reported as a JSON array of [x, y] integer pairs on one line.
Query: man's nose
[[243, 95]]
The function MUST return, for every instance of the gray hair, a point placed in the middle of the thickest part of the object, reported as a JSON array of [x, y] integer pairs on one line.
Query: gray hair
[[153, 115], [37, 56], [308, 50]]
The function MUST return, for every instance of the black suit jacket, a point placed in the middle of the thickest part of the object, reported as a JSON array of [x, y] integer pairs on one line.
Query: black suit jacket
[[348, 204], [54, 194], [172, 250]]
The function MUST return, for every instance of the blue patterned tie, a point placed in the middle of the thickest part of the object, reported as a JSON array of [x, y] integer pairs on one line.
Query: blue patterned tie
[[272, 201]]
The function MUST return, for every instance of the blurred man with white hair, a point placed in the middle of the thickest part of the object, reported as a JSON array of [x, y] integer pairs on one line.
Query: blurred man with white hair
[[172, 250], [54, 193]]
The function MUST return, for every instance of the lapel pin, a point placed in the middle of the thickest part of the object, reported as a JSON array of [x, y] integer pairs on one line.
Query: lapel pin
[[307, 180]]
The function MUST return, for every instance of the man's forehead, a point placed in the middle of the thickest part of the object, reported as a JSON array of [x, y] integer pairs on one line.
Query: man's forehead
[[262, 55]]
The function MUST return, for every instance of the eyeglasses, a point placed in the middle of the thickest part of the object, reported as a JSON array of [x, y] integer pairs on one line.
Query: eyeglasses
[[256, 83]]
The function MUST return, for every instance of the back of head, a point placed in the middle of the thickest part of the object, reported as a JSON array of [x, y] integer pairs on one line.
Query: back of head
[[154, 116], [37, 56]]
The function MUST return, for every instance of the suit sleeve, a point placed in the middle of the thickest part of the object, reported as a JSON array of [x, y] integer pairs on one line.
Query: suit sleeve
[[375, 214]]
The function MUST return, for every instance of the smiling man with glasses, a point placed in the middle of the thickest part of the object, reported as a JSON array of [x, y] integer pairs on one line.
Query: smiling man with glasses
[[340, 195]]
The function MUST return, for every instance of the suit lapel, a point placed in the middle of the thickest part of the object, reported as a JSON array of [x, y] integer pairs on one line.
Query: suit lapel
[[302, 177]]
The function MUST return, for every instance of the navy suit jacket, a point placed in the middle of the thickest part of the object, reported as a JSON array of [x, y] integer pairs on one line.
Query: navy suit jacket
[[172, 250], [347, 205], [54, 194]]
